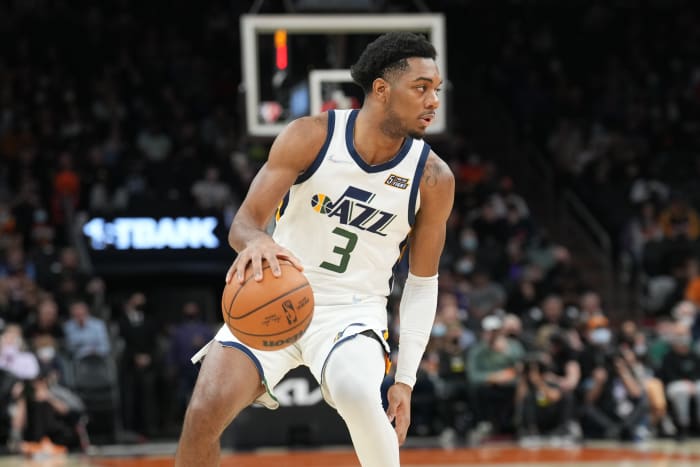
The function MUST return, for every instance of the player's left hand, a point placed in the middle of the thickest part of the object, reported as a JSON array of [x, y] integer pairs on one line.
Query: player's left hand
[[399, 410]]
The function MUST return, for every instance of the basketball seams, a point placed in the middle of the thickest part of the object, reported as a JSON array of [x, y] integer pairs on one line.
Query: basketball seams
[[291, 289], [307, 318], [235, 295], [233, 299], [270, 301]]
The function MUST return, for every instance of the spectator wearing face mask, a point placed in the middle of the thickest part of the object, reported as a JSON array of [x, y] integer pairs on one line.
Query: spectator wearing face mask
[[14, 356], [140, 365], [632, 347], [680, 372], [542, 406], [597, 340], [492, 368], [614, 402], [686, 312]]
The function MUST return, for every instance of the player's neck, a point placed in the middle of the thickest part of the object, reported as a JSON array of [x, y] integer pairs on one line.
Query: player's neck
[[372, 144]]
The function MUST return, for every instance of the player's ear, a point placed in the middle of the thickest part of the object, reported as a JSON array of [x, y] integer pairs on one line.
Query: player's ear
[[380, 89]]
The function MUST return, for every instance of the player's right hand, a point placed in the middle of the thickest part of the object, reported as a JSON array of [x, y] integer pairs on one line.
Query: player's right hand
[[254, 254]]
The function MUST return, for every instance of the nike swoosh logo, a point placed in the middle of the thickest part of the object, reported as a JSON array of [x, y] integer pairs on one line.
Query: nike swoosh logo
[[335, 158]]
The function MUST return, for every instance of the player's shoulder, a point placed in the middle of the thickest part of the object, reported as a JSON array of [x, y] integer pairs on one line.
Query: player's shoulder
[[437, 175], [300, 141], [310, 129]]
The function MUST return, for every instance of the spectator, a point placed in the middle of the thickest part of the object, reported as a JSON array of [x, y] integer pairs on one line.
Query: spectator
[[485, 296], [519, 226], [66, 191], [563, 366], [46, 322], [679, 220], [140, 366], [13, 355], [632, 345], [692, 288], [13, 410], [450, 340], [680, 372], [642, 229], [18, 367], [68, 279], [614, 402], [188, 336], [154, 143], [489, 226], [549, 313], [492, 370], [85, 334], [17, 264], [513, 329], [541, 406], [590, 306], [210, 192], [54, 414]]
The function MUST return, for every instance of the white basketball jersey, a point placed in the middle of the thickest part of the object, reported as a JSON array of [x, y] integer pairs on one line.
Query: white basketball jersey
[[348, 221]]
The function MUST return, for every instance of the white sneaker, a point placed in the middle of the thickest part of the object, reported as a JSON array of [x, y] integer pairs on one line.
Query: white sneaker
[[448, 438], [531, 441], [668, 428], [482, 430]]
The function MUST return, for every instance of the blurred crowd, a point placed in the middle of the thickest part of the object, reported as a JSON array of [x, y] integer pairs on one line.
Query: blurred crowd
[[100, 112], [611, 98], [523, 348], [130, 104]]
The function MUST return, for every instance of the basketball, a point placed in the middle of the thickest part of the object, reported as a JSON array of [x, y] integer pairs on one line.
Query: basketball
[[271, 314]]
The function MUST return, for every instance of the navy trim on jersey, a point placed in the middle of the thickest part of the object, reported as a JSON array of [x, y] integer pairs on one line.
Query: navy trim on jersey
[[322, 153], [246, 350], [349, 131], [341, 338], [404, 248], [283, 206], [416, 184]]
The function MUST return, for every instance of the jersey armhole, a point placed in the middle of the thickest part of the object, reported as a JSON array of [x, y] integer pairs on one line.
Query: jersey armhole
[[415, 189], [321, 153]]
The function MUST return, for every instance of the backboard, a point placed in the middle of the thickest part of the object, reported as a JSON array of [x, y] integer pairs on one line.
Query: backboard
[[320, 50]]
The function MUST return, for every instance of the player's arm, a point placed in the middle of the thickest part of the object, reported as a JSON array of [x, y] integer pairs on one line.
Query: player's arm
[[427, 239], [419, 298], [291, 154]]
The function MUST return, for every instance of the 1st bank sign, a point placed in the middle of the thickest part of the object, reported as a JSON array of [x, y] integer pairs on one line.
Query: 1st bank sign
[[148, 233]]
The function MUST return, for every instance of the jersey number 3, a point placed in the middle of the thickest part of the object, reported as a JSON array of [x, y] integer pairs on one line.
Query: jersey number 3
[[344, 251]]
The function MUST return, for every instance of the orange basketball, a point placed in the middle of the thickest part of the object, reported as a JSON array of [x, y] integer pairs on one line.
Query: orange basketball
[[270, 314]]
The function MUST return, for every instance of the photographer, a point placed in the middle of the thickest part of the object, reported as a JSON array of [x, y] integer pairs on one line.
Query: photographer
[[614, 401], [541, 406]]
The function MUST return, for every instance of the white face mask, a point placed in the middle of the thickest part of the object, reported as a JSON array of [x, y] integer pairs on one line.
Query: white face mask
[[681, 340], [465, 266], [469, 242], [46, 354], [439, 330], [601, 336], [686, 320]]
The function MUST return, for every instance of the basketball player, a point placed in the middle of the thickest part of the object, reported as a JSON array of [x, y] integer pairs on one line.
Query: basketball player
[[352, 189]]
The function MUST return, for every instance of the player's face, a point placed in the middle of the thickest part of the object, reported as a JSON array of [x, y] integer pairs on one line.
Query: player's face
[[414, 99]]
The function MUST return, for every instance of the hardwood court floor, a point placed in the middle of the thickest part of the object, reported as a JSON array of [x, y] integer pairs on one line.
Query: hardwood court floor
[[655, 454]]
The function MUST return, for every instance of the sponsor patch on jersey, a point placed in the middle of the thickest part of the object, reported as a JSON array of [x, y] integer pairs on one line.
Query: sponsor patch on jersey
[[397, 182]]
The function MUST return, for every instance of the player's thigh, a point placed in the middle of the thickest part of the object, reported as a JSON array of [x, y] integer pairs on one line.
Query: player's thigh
[[354, 372], [228, 382]]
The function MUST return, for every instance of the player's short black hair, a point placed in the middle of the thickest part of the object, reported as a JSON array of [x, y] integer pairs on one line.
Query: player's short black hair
[[388, 53]]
